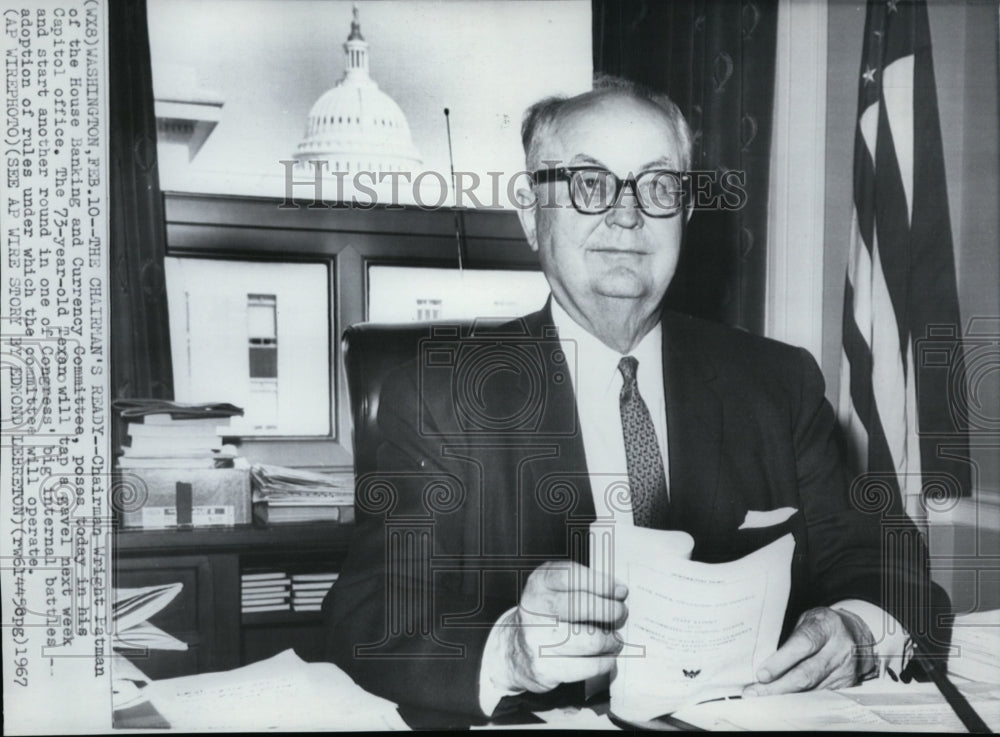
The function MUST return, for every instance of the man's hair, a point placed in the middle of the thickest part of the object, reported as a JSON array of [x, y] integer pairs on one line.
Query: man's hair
[[547, 111]]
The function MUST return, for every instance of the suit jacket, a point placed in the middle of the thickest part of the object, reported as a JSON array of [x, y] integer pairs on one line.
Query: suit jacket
[[482, 476]]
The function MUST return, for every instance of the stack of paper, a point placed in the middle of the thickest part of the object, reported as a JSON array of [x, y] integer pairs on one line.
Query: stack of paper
[[309, 590], [165, 434], [975, 643], [282, 692], [290, 495], [264, 591]]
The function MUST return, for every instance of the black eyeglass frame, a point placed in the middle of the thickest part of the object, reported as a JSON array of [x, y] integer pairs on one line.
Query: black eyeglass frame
[[566, 174]]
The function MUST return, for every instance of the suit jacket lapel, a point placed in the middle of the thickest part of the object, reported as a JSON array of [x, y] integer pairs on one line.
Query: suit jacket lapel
[[694, 427], [560, 484]]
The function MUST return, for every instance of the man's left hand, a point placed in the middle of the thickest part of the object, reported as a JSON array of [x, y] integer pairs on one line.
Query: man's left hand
[[830, 648]]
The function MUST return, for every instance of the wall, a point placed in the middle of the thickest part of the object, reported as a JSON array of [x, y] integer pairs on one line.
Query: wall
[[965, 46]]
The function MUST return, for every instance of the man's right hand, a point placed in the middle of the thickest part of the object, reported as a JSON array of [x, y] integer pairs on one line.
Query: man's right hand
[[563, 630]]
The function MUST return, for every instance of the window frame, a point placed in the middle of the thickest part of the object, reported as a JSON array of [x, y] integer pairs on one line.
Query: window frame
[[348, 240], [433, 263], [332, 375]]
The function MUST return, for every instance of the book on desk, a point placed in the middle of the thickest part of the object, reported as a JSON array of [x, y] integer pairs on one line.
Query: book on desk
[[166, 434]]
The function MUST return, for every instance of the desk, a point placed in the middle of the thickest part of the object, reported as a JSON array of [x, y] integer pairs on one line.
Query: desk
[[285, 693], [209, 561], [145, 716]]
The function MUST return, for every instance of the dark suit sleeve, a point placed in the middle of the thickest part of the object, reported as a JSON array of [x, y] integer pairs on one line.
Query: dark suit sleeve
[[861, 544], [387, 618]]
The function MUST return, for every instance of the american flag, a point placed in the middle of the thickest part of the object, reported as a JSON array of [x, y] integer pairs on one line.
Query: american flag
[[899, 408]]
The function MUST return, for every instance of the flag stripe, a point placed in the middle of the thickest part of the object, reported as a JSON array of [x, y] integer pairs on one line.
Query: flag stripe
[[892, 227], [864, 173], [863, 398], [886, 372], [897, 91]]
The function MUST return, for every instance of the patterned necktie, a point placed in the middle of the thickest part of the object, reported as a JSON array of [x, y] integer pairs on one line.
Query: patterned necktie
[[646, 478]]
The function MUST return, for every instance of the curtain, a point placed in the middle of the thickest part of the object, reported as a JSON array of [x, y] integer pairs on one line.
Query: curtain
[[140, 337], [716, 60]]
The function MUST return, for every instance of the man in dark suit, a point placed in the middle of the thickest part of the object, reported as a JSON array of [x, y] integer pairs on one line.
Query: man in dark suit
[[503, 445]]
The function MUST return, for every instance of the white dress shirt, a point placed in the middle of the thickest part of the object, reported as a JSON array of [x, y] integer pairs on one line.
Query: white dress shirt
[[596, 378]]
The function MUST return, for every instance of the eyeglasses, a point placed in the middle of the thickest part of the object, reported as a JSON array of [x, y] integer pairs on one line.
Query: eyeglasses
[[592, 190]]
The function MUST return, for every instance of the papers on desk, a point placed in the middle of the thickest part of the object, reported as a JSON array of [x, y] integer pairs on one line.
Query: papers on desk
[[695, 631], [286, 495], [574, 719], [127, 683], [975, 642], [878, 706], [294, 486], [282, 692]]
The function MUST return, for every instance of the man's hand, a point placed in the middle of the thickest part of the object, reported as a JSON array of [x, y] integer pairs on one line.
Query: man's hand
[[830, 648], [563, 630]]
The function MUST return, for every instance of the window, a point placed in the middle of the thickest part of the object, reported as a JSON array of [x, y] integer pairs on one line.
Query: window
[[262, 329], [265, 293], [226, 200], [417, 293], [255, 334]]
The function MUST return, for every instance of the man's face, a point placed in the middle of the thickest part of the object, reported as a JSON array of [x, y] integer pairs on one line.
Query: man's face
[[621, 259]]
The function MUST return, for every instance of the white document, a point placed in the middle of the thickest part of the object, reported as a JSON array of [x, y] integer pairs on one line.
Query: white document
[[127, 683], [282, 692], [975, 646], [695, 631], [878, 706]]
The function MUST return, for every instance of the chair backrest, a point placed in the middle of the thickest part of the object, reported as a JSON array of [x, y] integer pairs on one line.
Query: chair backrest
[[371, 351]]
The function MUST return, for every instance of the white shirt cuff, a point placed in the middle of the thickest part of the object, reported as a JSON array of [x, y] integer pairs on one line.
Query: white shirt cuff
[[893, 649], [493, 666]]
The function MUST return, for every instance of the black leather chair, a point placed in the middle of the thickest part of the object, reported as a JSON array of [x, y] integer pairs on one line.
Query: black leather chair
[[371, 351]]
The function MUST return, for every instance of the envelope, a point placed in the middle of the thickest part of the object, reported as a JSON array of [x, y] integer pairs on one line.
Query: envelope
[[768, 518]]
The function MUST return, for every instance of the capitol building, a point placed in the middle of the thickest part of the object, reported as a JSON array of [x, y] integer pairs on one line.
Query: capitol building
[[355, 126]]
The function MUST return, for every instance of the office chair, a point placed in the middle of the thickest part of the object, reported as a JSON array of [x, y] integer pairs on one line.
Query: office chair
[[371, 351]]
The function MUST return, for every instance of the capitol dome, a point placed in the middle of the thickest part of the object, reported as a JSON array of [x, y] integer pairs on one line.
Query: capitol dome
[[355, 126]]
